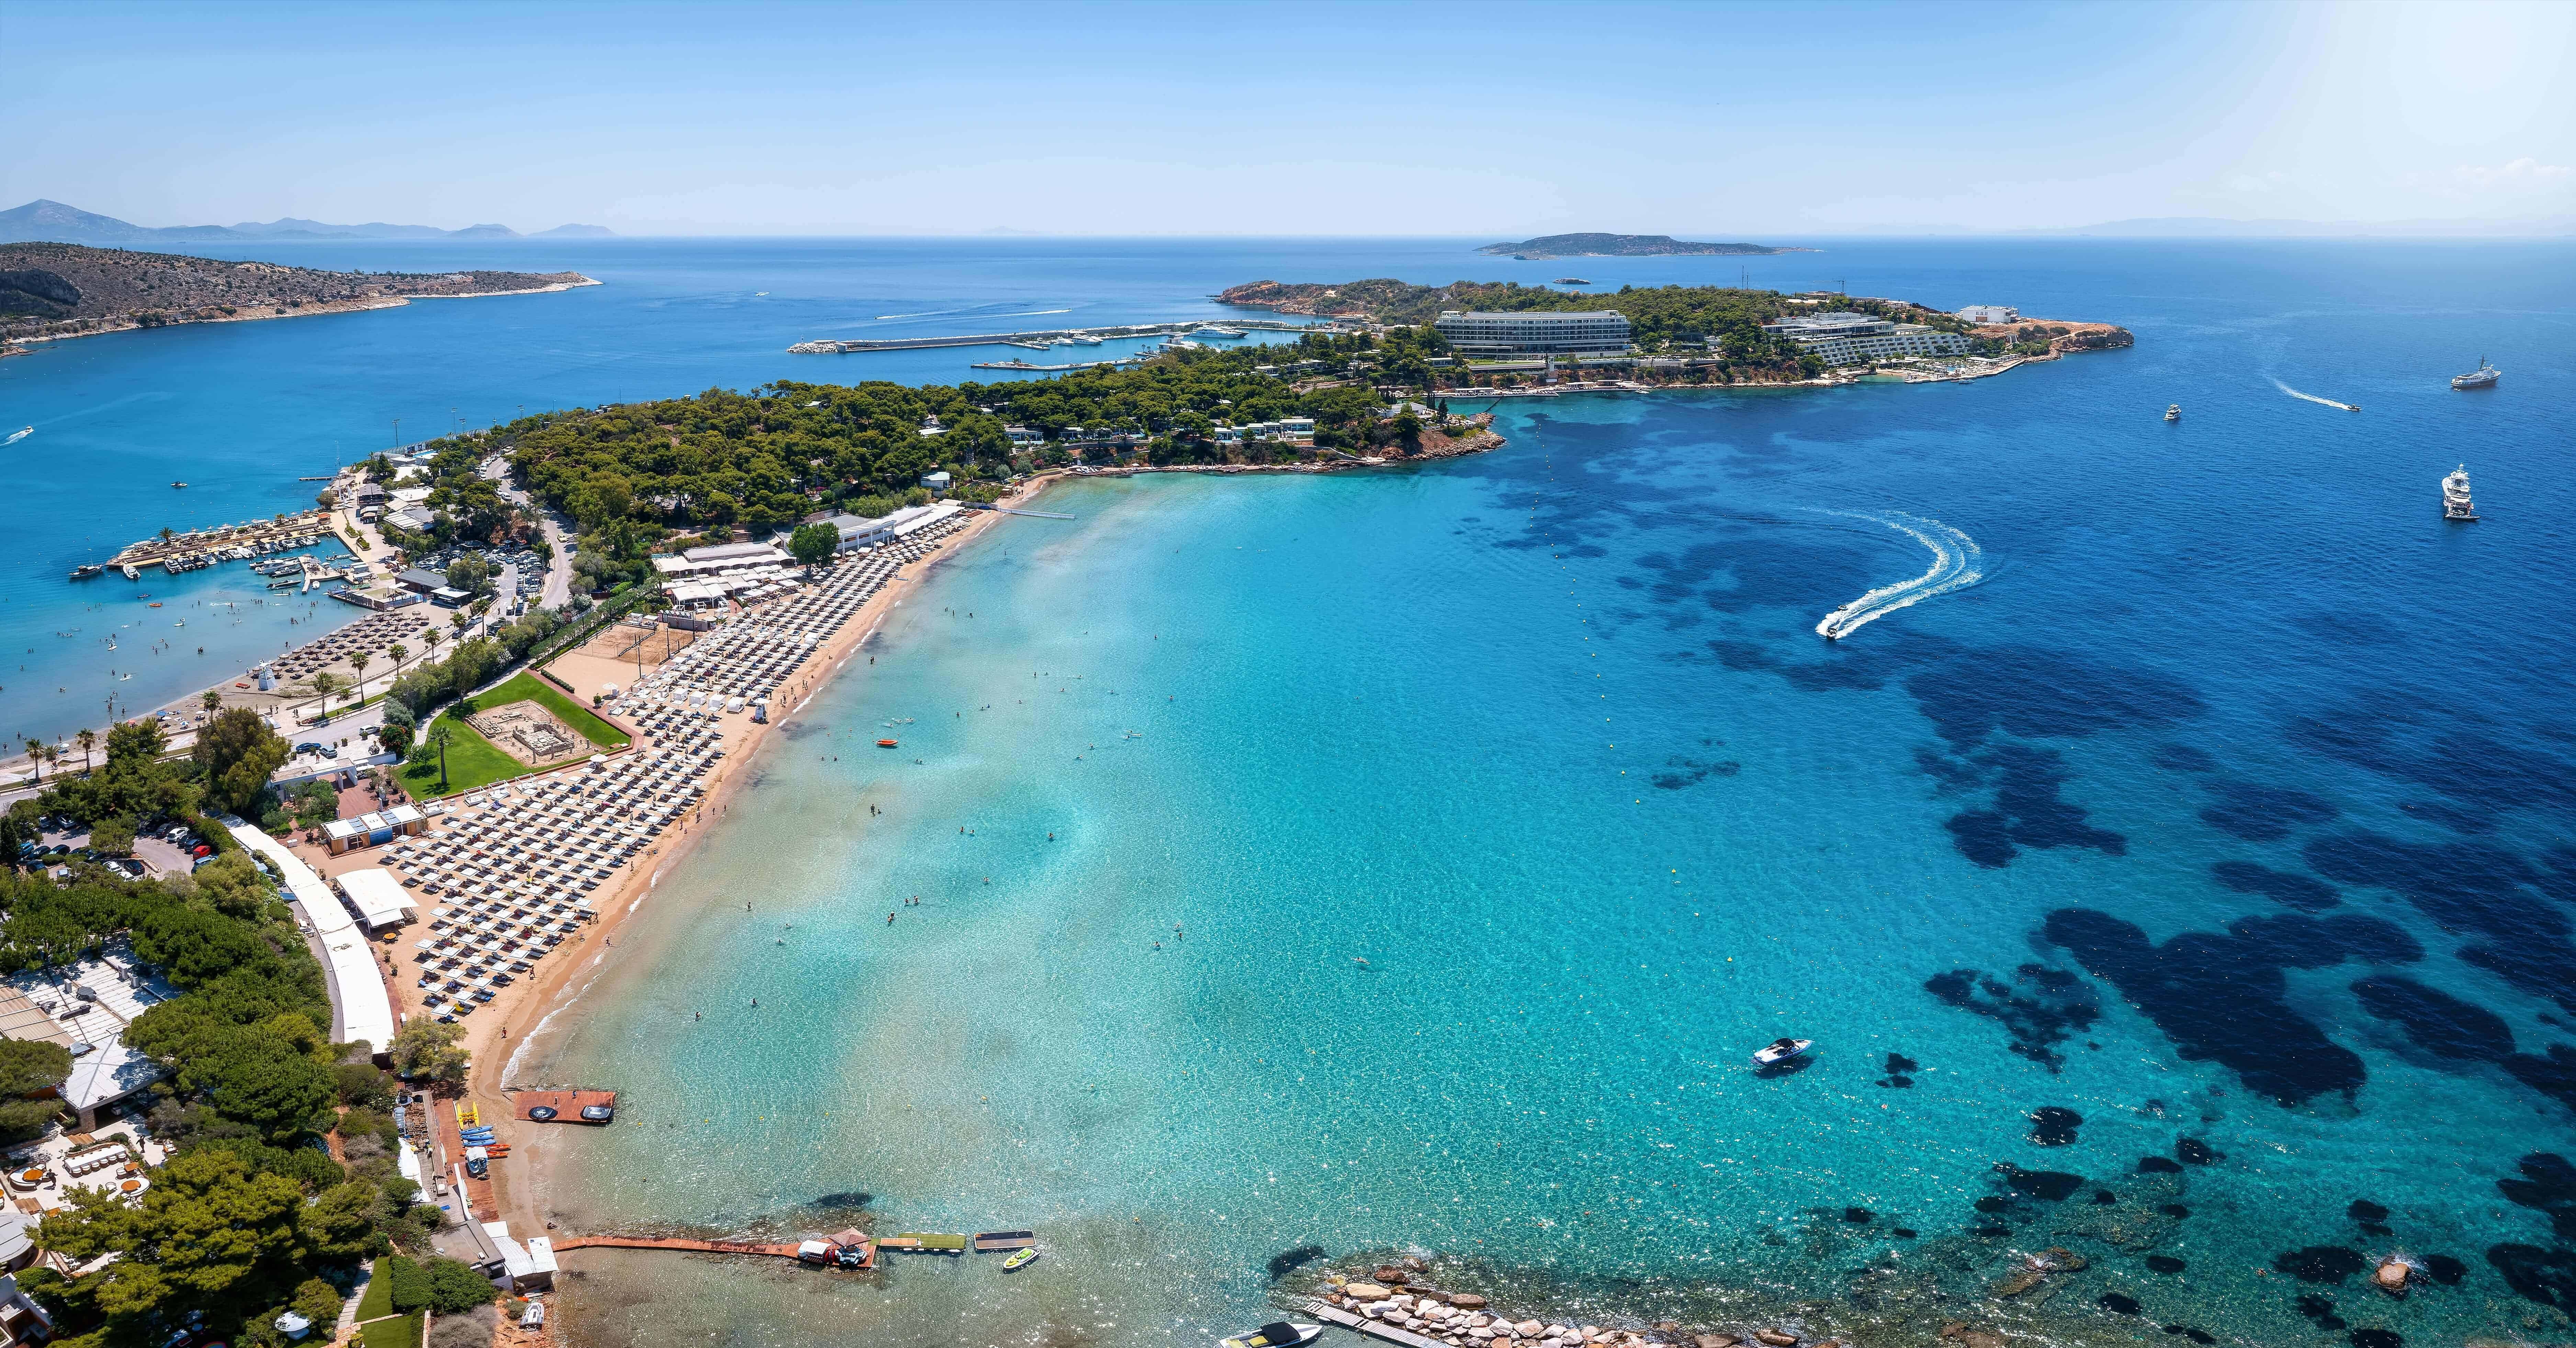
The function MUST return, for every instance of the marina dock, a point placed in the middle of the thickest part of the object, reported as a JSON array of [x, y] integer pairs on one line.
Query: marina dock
[[200, 548], [1041, 340], [1069, 365]]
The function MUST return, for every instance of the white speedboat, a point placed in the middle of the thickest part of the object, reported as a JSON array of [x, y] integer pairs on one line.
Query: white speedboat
[[1779, 1051], [2173, 412], [1276, 1334]]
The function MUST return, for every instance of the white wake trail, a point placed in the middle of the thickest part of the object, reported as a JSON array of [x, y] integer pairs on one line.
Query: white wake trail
[[2328, 402], [1957, 563], [16, 436]]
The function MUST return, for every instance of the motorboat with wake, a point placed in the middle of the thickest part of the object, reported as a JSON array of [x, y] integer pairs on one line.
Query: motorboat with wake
[[1779, 1051]]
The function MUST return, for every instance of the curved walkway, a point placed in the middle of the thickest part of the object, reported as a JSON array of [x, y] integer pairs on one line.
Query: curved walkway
[[360, 1009]]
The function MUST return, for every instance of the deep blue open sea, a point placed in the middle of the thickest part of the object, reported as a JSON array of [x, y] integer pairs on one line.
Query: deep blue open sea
[[1412, 859]]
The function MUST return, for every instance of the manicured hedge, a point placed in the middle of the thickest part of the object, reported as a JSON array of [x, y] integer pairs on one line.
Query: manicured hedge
[[411, 1283]]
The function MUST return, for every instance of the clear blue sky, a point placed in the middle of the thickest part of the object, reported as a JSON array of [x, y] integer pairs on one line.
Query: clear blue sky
[[1479, 119]]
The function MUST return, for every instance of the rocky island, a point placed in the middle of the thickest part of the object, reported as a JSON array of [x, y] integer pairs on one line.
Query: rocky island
[[1626, 245], [56, 290]]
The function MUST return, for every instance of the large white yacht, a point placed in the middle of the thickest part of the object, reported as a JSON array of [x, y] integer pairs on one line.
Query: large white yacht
[[2455, 496]]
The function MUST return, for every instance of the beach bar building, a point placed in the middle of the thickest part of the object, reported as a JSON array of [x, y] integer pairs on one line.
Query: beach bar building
[[368, 830], [379, 899]]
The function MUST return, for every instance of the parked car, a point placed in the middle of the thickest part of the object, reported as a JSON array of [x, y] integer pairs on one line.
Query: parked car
[[201, 850]]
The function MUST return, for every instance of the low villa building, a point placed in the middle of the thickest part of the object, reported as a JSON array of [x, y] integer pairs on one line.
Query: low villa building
[[1987, 315], [85, 1007], [1847, 338]]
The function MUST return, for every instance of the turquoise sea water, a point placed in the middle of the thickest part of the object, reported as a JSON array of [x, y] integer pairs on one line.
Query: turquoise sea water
[[2239, 781], [1412, 859]]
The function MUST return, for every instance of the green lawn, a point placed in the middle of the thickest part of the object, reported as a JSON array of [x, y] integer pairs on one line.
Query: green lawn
[[473, 761], [402, 1331], [379, 1300]]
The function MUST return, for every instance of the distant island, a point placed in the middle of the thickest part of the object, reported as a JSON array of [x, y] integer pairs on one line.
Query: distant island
[[54, 222], [1626, 245], [55, 290]]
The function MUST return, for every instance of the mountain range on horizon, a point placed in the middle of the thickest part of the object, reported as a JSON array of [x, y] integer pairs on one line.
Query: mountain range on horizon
[[43, 221], [47, 221]]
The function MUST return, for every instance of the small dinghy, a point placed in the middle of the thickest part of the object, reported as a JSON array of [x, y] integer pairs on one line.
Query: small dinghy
[[1276, 1334], [885, 744], [1779, 1051]]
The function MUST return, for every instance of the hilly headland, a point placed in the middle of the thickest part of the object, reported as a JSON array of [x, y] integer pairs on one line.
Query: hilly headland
[[56, 290]]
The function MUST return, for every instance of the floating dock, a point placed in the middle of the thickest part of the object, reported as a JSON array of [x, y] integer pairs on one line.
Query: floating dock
[[830, 346]]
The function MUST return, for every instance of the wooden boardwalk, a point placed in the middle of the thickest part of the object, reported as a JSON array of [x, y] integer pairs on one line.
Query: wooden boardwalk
[[767, 1248]]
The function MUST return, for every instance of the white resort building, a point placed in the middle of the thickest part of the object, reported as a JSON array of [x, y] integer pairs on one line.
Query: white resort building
[[1987, 315], [1851, 339], [1537, 333]]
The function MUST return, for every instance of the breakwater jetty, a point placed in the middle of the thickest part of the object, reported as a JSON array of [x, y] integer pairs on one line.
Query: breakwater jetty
[[830, 346]]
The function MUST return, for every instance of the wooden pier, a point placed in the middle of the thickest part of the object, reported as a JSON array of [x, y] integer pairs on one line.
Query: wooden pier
[[1376, 1329]]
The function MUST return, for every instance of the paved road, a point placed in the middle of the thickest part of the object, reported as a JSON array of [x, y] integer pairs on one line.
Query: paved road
[[558, 590]]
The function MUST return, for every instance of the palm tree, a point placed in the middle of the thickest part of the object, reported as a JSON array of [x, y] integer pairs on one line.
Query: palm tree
[[358, 661], [36, 756], [88, 739], [431, 635], [438, 736], [211, 699], [399, 652]]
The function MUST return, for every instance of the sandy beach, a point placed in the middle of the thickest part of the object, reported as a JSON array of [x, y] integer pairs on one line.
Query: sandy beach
[[502, 1025]]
